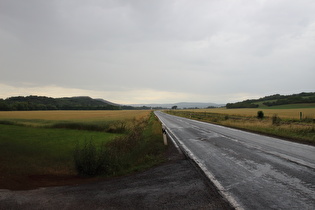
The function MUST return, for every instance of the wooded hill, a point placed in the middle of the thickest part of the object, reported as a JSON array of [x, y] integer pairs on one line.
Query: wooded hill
[[275, 100], [21, 103]]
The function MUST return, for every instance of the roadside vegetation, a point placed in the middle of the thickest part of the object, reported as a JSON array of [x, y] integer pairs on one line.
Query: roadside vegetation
[[293, 124], [140, 148], [65, 144]]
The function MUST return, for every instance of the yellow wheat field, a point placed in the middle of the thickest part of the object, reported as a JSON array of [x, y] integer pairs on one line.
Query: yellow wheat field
[[75, 115], [282, 113]]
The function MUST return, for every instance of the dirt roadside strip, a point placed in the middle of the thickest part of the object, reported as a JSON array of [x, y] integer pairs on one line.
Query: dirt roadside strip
[[176, 184]]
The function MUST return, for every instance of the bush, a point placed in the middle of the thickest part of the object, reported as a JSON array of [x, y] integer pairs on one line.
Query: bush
[[276, 120], [260, 115], [90, 161], [308, 120], [81, 126], [117, 127], [110, 127]]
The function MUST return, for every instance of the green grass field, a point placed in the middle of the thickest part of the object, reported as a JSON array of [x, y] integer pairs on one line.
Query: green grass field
[[43, 150], [42, 143]]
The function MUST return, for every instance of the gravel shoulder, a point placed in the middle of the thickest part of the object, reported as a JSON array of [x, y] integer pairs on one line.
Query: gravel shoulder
[[176, 184]]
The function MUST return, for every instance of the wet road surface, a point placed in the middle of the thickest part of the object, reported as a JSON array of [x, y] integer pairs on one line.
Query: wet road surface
[[252, 171]]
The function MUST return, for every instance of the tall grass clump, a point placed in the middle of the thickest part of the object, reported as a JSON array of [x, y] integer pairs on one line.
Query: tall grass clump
[[124, 152], [141, 147], [276, 120], [90, 160]]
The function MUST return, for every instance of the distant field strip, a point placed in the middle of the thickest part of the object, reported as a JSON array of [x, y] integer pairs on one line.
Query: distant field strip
[[282, 113], [74, 115]]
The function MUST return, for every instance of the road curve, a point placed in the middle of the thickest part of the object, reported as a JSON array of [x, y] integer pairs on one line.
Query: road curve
[[252, 171]]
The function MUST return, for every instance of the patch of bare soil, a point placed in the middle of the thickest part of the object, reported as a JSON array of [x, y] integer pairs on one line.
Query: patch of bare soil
[[174, 185]]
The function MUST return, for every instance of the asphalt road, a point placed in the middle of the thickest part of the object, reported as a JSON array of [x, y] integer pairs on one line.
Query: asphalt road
[[252, 171]]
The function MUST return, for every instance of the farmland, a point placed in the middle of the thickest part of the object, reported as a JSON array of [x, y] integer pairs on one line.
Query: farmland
[[37, 147], [287, 113], [292, 124], [73, 115]]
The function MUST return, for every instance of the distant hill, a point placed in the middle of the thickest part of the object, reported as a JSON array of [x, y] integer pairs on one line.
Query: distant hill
[[275, 100], [21, 103], [181, 105], [107, 102]]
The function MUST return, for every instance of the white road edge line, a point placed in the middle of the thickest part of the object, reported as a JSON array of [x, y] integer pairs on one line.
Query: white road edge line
[[174, 142], [221, 189]]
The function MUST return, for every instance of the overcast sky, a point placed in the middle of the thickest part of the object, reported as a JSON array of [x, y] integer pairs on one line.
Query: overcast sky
[[142, 51]]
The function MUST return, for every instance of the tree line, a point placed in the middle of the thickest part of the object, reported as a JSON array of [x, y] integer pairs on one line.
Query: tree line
[[293, 99], [243, 104], [30, 103], [275, 100]]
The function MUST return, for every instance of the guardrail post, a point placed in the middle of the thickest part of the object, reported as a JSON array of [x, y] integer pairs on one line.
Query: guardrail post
[[164, 135]]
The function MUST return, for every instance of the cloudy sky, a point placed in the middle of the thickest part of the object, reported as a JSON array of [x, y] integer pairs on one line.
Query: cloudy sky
[[157, 51]]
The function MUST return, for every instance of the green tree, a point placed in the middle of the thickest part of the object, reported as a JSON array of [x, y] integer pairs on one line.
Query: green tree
[[260, 115]]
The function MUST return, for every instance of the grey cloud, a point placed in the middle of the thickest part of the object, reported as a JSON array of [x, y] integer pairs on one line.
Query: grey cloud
[[197, 47]]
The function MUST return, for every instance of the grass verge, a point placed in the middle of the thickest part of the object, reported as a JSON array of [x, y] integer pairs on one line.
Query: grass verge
[[141, 148], [302, 131]]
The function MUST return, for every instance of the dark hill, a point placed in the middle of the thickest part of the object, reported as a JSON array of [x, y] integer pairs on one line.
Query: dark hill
[[275, 100], [20, 103]]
